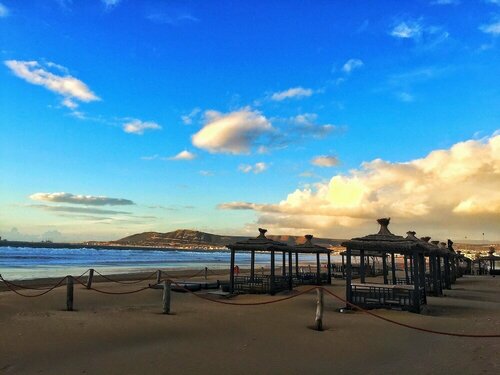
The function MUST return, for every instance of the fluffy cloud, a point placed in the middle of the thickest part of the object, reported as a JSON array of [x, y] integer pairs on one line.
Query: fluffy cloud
[[256, 168], [188, 119], [4, 11], [234, 133], [110, 3], [325, 161], [183, 155], [448, 192], [139, 127], [72, 89], [351, 65], [78, 210], [492, 28], [304, 125], [407, 30], [89, 200], [295, 92]]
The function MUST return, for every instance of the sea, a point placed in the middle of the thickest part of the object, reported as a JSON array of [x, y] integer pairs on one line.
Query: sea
[[24, 263]]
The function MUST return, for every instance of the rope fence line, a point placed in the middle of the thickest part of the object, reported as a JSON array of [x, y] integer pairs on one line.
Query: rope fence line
[[9, 285], [125, 282], [319, 288]]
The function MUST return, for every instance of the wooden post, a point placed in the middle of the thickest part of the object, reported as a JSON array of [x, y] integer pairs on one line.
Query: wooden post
[[329, 262], [290, 273], [393, 268], [362, 266], [206, 273], [318, 270], [283, 265], [252, 265], [319, 310], [90, 278], [69, 293], [384, 268], [343, 266], [416, 284], [407, 276], [231, 273], [158, 276], [166, 296], [271, 279], [348, 273], [297, 263]]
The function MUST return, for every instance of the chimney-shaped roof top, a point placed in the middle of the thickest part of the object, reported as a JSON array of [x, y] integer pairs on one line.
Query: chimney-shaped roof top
[[384, 226], [425, 239], [262, 233]]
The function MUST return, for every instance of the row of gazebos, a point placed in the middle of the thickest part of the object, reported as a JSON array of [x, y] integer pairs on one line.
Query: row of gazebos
[[429, 267]]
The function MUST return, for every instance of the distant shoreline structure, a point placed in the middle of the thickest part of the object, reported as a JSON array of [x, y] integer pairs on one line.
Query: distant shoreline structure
[[88, 245]]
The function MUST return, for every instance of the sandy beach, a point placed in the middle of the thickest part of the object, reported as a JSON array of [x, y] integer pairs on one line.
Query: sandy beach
[[127, 334]]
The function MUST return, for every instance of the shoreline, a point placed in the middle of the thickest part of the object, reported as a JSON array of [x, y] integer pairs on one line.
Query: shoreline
[[62, 245]]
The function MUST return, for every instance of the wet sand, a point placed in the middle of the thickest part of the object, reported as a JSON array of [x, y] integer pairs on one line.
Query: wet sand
[[127, 334]]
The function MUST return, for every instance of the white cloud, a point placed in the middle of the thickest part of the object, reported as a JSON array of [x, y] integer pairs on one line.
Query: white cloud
[[407, 30], [234, 133], [4, 11], [183, 155], [188, 119], [206, 173], [453, 191], [152, 157], [110, 3], [295, 92], [351, 65], [90, 200], [139, 127], [172, 19], [405, 97], [325, 161], [72, 89], [256, 168], [445, 2], [492, 28], [304, 125]]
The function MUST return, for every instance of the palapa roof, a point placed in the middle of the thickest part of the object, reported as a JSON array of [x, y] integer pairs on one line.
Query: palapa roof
[[260, 243], [385, 241], [491, 255], [309, 247]]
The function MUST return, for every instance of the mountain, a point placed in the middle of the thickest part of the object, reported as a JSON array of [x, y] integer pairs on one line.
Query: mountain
[[185, 238]]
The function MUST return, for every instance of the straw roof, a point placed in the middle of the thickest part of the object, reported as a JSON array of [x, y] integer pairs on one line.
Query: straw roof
[[260, 243], [309, 247], [385, 241]]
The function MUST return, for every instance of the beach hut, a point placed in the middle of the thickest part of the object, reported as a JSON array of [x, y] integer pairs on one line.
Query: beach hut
[[492, 261], [290, 275], [410, 296], [317, 277]]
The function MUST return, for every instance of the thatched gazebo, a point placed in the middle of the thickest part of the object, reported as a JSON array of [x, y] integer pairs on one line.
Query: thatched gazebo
[[274, 283], [409, 296], [492, 261]]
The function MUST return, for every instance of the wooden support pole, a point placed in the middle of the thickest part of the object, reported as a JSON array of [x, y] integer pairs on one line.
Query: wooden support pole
[[297, 263], [318, 270], [407, 275], [90, 278], [362, 266], [69, 293], [158, 276], [384, 268], [329, 263], [290, 272], [166, 296], [206, 273], [283, 265], [231, 273], [348, 273], [318, 324], [271, 279], [252, 264], [393, 268]]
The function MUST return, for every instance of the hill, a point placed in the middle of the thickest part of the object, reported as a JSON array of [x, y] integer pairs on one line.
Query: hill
[[185, 238]]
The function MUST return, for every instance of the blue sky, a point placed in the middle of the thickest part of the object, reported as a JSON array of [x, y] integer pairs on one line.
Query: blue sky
[[207, 115]]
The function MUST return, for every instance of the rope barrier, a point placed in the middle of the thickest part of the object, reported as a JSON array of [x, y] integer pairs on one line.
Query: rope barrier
[[11, 286], [125, 282], [8, 285], [243, 303], [115, 293], [408, 325], [35, 287]]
